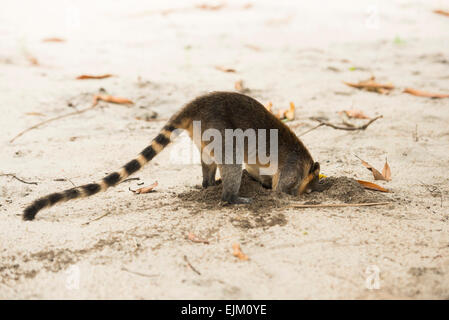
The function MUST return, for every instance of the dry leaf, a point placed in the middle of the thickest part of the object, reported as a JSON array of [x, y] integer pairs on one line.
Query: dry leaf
[[355, 114], [224, 69], [290, 114], [269, 106], [240, 87], [443, 12], [111, 99], [32, 60], [238, 252], [210, 7], [420, 93], [386, 171], [371, 85], [372, 186], [377, 175], [35, 114], [287, 114], [53, 40], [253, 47], [88, 76], [145, 189], [192, 237]]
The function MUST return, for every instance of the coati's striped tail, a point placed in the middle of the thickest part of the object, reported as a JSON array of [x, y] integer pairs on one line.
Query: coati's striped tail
[[158, 143]]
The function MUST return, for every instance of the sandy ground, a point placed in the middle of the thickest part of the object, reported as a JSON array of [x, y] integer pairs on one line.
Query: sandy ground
[[289, 51]]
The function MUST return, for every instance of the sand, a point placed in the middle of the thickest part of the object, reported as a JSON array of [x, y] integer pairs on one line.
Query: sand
[[128, 246]]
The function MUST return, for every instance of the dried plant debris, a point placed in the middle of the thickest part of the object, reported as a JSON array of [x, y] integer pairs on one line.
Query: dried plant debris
[[372, 186], [283, 114], [237, 252], [148, 189], [354, 114], [240, 87], [372, 85], [386, 171], [442, 12], [426, 94], [90, 76], [53, 40], [111, 99], [224, 69]]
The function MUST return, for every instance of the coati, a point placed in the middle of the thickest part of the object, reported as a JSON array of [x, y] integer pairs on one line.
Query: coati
[[296, 171]]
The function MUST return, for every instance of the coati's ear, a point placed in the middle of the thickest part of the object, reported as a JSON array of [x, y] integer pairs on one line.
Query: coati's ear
[[315, 169]]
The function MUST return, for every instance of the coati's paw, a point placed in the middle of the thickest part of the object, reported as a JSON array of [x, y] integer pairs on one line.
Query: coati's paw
[[207, 184], [239, 200]]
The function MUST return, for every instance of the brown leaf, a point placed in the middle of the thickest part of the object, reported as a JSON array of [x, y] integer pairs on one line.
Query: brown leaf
[[192, 237], [443, 12], [420, 93], [355, 114], [372, 186], [33, 60], [253, 47], [148, 189], [386, 171], [53, 40], [240, 87], [238, 252], [88, 76], [205, 6], [376, 174], [371, 85], [269, 106], [287, 114], [224, 69], [111, 99], [290, 114], [35, 114]]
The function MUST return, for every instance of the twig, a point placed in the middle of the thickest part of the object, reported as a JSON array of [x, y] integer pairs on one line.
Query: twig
[[53, 119], [96, 219], [140, 273], [130, 179], [362, 127], [190, 265], [311, 129], [12, 175], [338, 205]]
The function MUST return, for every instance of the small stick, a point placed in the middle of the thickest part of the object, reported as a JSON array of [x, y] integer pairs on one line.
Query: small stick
[[12, 175], [140, 273], [311, 129], [190, 265], [52, 119], [130, 179], [96, 219], [338, 205], [362, 127]]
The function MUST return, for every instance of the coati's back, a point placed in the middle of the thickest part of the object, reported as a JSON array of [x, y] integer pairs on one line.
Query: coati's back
[[232, 110]]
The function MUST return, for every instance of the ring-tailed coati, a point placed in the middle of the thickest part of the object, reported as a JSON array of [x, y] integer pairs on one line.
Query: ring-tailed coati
[[296, 172]]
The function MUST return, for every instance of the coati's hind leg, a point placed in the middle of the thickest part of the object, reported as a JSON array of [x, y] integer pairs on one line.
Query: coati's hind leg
[[254, 172], [209, 171], [231, 175]]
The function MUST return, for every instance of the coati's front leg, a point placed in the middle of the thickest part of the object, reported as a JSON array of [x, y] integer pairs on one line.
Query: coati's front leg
[[231, 174], [209, 171]]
